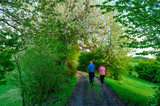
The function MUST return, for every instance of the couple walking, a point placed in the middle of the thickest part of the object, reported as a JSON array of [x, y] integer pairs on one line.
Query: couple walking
[[91, 69]]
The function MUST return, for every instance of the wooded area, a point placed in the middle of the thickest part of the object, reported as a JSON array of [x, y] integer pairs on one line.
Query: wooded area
[[44, 42]]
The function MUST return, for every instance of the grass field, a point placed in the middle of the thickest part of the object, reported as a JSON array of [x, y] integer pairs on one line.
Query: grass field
[[132, 90], [9, 96], [134, 63]]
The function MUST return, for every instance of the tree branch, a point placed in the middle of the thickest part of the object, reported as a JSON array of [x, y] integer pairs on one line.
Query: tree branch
[[7, 2], [10, 14], [11, 25]]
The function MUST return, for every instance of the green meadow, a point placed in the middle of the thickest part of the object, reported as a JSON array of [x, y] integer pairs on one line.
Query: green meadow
[[133, 91], [133, 63]]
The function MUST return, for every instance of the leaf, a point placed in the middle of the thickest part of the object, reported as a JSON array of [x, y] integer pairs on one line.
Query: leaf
[[91, 6], [103, 12], [105, 2], [98, 5], [103, 7]]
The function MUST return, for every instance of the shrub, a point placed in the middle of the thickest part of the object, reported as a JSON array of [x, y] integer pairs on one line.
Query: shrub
[[132, 71], [148, 70], [154, 100], [42, 76]]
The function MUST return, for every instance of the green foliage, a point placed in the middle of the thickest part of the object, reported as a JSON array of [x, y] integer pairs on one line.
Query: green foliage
[[107, 50], [41, 75], [142, 19], [9, 45], [64, 93], [84, 60], [115, 68], [154, 100], [6, 65], [148, 70], [118, 67], [131, 67]]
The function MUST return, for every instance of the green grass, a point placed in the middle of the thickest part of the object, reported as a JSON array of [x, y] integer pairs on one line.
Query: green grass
[[134, 63], [63, 95], [95, 87], [132, 90], [9, 96]]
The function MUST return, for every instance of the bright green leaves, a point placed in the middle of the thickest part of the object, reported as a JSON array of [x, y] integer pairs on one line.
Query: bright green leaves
[[105, 2], [141, 16], [9, 44]]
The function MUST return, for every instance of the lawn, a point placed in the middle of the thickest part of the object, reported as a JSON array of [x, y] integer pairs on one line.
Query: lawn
[[132, 90], [9, 96]]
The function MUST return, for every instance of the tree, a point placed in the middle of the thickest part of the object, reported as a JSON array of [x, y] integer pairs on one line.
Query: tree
[[108, 49], [142, 18], [52, 33], [13, 21], [67, 22]]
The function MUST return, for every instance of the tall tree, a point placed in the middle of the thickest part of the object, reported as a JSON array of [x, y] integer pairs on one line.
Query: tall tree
[[143, 19]]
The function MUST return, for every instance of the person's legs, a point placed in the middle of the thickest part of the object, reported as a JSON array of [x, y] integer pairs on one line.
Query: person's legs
[[90, 77], [93, 76], [103, 79]]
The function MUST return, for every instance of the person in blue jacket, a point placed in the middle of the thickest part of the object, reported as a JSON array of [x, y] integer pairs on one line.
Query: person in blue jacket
[[91, 70]]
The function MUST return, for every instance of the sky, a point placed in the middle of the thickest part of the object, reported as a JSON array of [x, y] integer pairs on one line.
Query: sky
[[141, 50]]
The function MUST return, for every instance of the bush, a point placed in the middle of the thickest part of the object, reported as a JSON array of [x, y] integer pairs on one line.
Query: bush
[[42, 75], [154, 100], [148, 70], [132, 71]]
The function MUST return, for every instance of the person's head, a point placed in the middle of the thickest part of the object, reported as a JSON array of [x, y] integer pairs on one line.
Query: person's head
[[102, 65], [91, 62]]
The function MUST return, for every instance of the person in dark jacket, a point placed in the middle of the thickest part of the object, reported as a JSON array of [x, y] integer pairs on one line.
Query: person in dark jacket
[[91, 70]]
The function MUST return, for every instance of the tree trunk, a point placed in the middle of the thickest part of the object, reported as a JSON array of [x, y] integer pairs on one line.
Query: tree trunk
[[20, 77]]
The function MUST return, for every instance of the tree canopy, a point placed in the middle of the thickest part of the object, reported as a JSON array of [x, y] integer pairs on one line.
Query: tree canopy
[[142, 17]]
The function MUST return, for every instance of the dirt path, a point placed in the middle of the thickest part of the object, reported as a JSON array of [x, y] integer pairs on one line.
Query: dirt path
[[79, 95], [86, 95], [109, 97]]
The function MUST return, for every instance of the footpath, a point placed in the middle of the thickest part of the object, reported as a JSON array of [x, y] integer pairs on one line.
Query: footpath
[[97, 95]]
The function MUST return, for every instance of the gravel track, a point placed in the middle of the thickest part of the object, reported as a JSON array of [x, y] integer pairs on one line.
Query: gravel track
[[79, 95], [83, 96], [109, 97]]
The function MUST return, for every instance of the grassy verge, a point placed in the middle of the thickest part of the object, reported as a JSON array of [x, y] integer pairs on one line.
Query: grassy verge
[[132, 90], [97, 90], [95, 87], [63, 95], [134, 63], [9, 96]]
